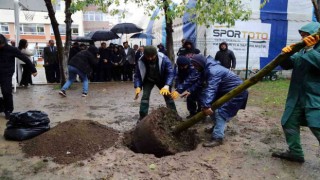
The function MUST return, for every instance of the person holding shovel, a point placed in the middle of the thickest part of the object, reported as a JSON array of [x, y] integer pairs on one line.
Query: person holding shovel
[[153, 68], [218, 82], [303, 100]]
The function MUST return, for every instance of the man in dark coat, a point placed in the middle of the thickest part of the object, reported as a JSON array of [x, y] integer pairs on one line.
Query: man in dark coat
[[303, 101], [188, 84], [162, 49], [188, 49], [51, 64], [104, 71], [153, 68], [129, 62], [226, 56], [7, 62], [218, 81], [81, 64]]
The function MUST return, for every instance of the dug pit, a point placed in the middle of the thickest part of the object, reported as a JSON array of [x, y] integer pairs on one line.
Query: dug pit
[[153, 135]]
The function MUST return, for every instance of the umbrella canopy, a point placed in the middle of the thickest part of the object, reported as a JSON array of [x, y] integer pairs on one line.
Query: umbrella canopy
[[126, 28], [102, 35], [142, 36], [82, 39]]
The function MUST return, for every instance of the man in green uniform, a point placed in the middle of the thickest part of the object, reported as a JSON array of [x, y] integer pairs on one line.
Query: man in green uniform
[[303, 101]]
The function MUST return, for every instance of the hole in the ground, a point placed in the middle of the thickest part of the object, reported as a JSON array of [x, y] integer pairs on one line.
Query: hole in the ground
[[153, 135]]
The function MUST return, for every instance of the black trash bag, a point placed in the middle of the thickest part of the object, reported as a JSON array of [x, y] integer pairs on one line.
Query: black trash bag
[[28, 119], [20, 134], [1, 104], [26, 125]]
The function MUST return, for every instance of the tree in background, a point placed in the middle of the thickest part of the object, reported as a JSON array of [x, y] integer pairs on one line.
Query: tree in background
[[63, 52], [204, 13]]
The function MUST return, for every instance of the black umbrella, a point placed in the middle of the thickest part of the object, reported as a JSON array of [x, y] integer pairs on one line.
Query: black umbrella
[[82, 39], [126, 28], [102, 35], [142, 36]]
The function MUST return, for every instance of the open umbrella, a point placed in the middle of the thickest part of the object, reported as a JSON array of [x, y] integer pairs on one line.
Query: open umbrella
[[82, 39], [142, 36], [102, 35], [126, 28]]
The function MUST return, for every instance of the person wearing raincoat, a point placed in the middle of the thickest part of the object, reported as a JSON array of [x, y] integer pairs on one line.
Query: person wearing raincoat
[[303, 101], [218, 81]]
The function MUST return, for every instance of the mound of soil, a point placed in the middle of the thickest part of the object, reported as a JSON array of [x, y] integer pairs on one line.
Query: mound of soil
[[71, 141], [153, 134]]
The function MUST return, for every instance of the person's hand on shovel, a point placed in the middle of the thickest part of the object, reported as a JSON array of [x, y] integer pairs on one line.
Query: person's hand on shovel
[[185, 94], [174, 95], [138, 90], [207, 111]]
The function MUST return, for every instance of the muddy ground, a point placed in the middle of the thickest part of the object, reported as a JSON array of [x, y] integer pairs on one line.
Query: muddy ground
[[246, 154]]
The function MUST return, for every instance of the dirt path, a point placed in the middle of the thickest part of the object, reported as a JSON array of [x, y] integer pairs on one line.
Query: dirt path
[[246, 154]]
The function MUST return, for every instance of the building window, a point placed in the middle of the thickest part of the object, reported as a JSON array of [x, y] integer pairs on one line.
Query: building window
[[96, 16], [62, 30], [75, 31], [4, 28], [36, 29]]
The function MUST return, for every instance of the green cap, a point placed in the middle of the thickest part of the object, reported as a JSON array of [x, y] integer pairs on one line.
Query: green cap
[[150, 51]]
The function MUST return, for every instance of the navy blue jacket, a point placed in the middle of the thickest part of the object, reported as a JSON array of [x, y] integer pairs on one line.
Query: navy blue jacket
[[165, 68], [219, 81], [187, 80]]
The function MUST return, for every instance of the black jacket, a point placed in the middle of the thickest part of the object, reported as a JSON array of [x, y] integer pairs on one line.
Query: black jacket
[[84, 61], [226, 57], [7, 57], [73, 51]]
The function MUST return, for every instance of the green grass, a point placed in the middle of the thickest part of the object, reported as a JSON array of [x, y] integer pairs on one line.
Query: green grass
[[270, 96]]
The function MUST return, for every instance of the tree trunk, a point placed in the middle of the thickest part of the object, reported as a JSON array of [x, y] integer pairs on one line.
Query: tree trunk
[[316, 9], [242, 87], [169, 31], [68, 22], [55, 27]]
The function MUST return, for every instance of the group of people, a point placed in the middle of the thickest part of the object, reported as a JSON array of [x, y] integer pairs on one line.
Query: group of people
[[114, 62], [204, 79], [200, 79]]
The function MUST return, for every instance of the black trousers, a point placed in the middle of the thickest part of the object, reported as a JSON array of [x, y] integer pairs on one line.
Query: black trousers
[[127, 71], [26, 76], [52, 73], [6, 89]]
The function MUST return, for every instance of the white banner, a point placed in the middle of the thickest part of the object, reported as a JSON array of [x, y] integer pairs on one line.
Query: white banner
[[237, 37]]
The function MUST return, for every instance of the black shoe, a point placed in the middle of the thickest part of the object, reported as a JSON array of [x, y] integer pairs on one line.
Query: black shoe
[[213, 143], [84, 94], [7, 115], [288, 156], [63, 93]]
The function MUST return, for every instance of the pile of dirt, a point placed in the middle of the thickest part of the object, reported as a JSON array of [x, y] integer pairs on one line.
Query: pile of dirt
[[153, 135], [71, 141]]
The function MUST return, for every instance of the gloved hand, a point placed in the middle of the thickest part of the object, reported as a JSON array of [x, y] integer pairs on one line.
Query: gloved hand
[[288, 49], [138, 90], [311, 40], [165, 90], [174, 95], [207, 111]]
